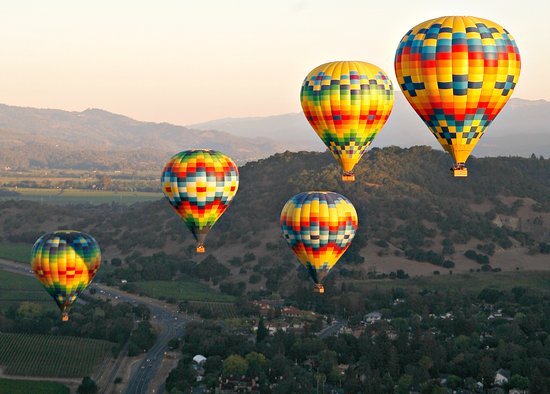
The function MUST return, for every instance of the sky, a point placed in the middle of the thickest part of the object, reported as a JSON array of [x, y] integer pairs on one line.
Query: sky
[[184, 62]]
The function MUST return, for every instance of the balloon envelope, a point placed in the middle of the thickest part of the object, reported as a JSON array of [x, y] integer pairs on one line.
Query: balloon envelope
[[65, 262], [319, 227], [347, 103], [457, 72], [200, 184]]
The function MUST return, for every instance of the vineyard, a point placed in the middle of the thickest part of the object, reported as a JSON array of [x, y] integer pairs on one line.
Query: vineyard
[[16, 288], [31, 386], [43, 355], [223, 310]]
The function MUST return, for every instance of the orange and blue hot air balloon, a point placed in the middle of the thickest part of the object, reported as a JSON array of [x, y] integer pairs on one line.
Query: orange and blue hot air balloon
[[347, 103], [457, 72], [200, 184], [65, 262], [319, 227]]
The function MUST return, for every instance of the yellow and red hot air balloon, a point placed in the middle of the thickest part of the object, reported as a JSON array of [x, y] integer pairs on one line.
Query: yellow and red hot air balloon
[[65, 262], [200, 184], [319, 227], [457, 72], [347, 103]]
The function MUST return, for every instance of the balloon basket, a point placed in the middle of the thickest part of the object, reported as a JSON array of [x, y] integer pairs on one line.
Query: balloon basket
[[200, 248], [319, 289], [459, 171], [64, 316], [348, 177]]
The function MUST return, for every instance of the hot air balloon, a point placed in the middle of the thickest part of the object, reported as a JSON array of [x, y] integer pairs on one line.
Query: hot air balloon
[[457, 72], [319, 227], [200, 184], [347, 103], [65, 262]]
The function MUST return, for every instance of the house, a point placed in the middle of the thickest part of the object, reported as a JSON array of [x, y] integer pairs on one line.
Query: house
[[372, 317], [502, 376], [199, 359], [518, 391]]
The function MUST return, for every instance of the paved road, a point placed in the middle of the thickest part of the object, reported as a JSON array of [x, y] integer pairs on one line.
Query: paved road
[[171, 322]]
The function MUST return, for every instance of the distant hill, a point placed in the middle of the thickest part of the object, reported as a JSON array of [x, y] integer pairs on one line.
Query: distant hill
[[96, 138], [413, 216], [50, 138], [522, 128]]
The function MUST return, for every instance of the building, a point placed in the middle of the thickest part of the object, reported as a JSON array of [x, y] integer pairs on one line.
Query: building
[[502, 376], [199, 359], [373, 317]]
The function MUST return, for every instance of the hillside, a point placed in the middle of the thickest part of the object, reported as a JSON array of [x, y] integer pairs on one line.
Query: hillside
[[522, 128], [412, 216], [97, 139], [49, 138]]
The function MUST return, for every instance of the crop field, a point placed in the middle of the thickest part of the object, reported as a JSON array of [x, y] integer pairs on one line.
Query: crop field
[[473, 282], [20, 252], [16, 386], [64, 196], [16, 288], [224, 310], [47, 355], [182, 290]]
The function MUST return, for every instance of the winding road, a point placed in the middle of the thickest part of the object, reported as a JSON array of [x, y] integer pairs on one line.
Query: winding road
[[171, 323]]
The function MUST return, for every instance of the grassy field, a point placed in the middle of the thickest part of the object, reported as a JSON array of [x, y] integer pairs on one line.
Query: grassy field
[[15, 251], [47, 355], [59, 196], [14, 386], [475, 282], [15, 288], [182, 290]]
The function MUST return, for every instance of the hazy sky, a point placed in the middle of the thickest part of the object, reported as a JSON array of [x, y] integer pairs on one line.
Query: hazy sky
[[187, 61]]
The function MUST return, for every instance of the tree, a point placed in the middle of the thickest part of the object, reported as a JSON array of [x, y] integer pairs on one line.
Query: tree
[[537, 385], [174, 343], [404, 383], [262, 332], [235, 365], [519, 382], [88, 386]]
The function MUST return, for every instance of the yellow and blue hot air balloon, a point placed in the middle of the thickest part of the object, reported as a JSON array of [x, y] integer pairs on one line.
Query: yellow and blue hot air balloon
[[319, 227], [457, 72], [347, 103], [65, 262], [200, 184]]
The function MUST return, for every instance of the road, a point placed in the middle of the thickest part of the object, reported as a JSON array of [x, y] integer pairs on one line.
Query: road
[[171, 323]]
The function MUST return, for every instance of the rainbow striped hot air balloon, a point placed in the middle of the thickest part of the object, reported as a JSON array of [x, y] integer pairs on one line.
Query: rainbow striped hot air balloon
[[200, 184], [65, 262], [347, 103], [319, 227], [457, 72]]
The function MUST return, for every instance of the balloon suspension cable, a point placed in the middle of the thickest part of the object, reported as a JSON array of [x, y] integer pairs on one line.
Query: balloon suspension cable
[[348, 176], [319, 288], [459, 170], [200, 248]]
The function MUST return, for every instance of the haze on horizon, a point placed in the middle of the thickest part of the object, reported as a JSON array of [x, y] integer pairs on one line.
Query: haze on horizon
[[186, 62]]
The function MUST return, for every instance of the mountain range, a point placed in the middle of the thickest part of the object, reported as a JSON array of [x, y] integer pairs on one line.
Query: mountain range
[[94, 138], [521, 129]]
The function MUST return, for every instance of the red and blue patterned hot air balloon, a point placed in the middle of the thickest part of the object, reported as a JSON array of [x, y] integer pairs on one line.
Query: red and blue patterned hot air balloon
[[200, 184]]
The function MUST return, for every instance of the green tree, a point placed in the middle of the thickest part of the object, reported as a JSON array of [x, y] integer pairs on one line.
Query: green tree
[[262, 332], [88, 386], [519, 382], [235, 365]]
